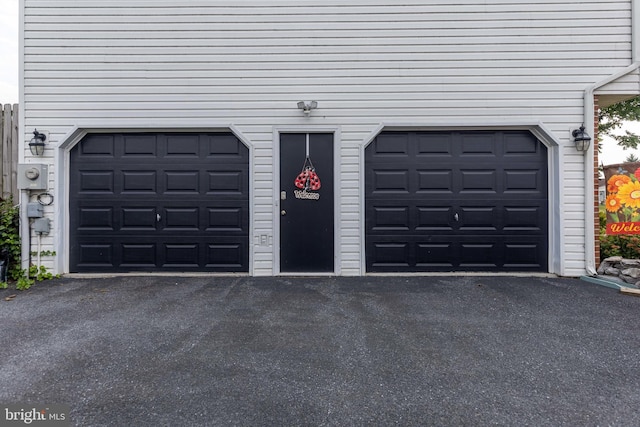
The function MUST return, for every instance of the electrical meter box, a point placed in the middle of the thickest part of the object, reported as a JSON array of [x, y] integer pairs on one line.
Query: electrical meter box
[[42, 226], [33, 176], [35, 210]]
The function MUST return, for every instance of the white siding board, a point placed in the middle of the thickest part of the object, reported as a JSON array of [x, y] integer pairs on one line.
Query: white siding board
[[471, 36], [628, 84], [367, 65], [247, 64], [275, 9], [408, 45]]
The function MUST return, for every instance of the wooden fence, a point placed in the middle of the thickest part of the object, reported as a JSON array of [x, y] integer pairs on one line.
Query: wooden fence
[[9, 125]]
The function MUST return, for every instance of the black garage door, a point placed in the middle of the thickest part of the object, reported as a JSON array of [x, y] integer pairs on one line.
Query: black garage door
[[159, 202], [456, 201]]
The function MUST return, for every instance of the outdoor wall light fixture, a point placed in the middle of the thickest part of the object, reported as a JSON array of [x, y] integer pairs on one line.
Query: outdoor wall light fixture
[[581, 138], [306, 107], [36, 145]]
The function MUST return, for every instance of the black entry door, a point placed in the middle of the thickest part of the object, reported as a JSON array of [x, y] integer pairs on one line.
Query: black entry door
[[306, 203], [159, 202], [448, 201]]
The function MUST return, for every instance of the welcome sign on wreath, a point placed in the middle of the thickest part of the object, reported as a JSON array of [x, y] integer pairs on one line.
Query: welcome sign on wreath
[[307, 182]]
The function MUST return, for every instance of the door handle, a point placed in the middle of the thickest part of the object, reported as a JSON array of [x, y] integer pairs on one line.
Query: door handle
[[158, 217], [456, 217], [283, 212]]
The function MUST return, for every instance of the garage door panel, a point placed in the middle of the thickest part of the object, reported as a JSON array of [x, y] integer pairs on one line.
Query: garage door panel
[[473, 181], [435, 181], [524, 218], [139, 255], [435, 255], [96, 182], [225, 148], [183, 147], [403, 216], [159, 201], [470, 253], [524, 255], [434, 145], [180, 255], [224, 218], [385, 218], [394, 254], [221, 218], [471, 197], [520, 145], [392, 144], [474, 219], [102, 146], [91, 255], [477, 144], [227, 219], [138, 218], [181, 182], [120, 254], [433, 219], [139, 145], [225, 182], [139, 182], [226, 255], [98, 218], [181, 219], [477, 254], [523, 181], [391, 181]]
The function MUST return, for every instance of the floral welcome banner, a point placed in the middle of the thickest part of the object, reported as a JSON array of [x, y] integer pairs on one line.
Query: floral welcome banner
[[623, 202]]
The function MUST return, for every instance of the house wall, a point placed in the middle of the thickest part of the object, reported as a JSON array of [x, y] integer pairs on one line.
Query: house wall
[[623, 86], [171, 64]]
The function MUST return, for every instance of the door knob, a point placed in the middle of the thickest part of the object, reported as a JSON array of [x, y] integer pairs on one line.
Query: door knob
[[456, 217], [283, 212]]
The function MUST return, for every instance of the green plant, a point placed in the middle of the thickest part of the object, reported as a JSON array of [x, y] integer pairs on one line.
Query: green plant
[[40, 274], [23, 283], [43, 253], [35, 275], [614, 116], [11, 249], [626, 246], [602, 216], [10, 237]]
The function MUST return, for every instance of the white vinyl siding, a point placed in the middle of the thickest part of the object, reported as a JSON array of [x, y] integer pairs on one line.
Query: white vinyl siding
[[625, 85], [246, 63]]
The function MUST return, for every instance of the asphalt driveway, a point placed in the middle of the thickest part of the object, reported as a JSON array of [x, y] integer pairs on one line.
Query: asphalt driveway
[[137, 351]]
